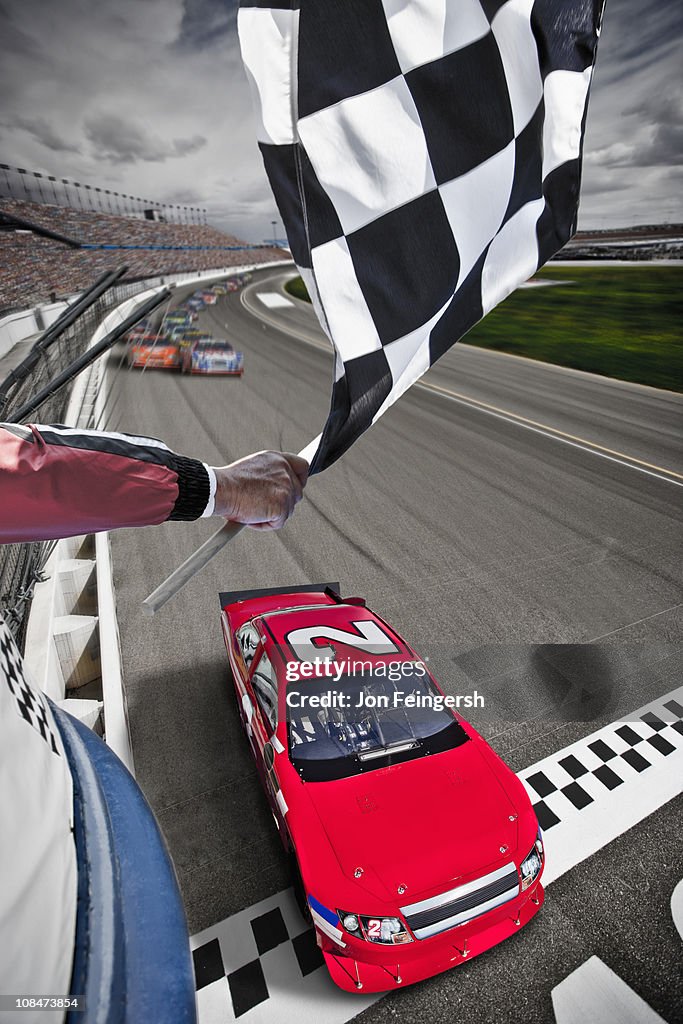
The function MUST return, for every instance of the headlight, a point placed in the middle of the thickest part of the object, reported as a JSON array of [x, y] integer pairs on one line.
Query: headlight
[[539, 842], [388, 931], [531, 865]]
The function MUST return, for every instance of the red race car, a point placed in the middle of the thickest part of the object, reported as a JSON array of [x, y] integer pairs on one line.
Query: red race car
[[413, 846]]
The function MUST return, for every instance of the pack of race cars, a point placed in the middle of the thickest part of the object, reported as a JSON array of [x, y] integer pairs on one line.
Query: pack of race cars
[[176, 344]]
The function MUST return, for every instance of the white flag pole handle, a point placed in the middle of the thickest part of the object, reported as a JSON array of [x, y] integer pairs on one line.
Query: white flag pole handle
[[203, 555], [190, 567]]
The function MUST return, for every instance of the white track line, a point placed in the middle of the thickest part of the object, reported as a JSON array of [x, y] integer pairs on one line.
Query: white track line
[[593, 992], [581, 833], [623, 459], [275, 300], [677, 908]]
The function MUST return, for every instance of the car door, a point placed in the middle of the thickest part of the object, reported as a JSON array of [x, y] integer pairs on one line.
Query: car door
[[262, 688], [244, 650]]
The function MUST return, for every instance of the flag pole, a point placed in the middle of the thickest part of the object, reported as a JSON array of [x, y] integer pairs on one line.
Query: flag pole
[[190, 567], [203, 555]]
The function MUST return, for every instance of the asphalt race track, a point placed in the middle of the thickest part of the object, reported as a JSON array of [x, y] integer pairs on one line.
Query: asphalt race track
[[521, 525]]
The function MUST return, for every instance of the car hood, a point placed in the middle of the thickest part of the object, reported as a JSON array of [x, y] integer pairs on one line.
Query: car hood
[[421, 825]]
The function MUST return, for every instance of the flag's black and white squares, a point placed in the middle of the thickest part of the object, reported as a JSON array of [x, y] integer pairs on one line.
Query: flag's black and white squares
[[425, 157], [28, 701], [267, 40], [385, 126], [418, 41]]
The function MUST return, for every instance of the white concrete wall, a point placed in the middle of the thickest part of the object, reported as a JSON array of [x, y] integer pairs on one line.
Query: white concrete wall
[[48, 314], [14, 328], [65, 637]]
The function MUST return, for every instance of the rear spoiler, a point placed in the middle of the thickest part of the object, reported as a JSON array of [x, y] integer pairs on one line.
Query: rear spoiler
[[233, 596]]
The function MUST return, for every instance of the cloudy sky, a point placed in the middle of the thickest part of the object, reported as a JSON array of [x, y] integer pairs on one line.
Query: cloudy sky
[[148, 97]]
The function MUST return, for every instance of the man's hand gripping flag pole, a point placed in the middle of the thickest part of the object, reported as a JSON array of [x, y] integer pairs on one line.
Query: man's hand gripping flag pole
[[203, 555]]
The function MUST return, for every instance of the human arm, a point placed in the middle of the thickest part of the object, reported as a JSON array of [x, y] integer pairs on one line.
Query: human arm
[[58, 481]]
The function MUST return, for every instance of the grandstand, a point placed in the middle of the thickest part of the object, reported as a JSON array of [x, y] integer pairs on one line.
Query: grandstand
[[35, 268], [637, 242], [52, 250]]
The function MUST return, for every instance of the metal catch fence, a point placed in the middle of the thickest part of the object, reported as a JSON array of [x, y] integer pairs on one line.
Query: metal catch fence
[[64, 342]]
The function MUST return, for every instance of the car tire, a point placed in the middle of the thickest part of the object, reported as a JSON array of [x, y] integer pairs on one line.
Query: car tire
[[299, 889]]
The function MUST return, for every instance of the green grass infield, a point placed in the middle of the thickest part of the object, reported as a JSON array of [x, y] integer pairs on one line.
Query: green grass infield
[[618, 321]]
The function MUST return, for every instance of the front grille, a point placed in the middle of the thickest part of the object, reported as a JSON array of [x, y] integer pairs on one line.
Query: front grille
[[462, 904]]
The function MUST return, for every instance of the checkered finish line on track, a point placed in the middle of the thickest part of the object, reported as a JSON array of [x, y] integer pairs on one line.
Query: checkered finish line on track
[[595, 789], [426, 160], [262, 964]]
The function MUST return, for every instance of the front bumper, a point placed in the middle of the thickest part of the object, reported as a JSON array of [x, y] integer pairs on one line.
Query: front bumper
[[374, 968], [218, 373]]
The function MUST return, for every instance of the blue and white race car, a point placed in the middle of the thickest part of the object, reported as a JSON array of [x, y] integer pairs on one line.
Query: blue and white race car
[[213, 356]]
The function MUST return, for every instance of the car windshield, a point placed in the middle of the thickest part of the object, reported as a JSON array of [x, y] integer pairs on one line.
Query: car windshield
[[222, 347], [356, 724]]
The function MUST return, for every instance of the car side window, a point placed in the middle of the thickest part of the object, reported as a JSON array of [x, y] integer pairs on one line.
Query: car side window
[[265, 690], [248, 639]]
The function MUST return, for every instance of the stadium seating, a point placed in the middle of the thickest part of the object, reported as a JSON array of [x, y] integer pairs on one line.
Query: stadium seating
[[33, 268]]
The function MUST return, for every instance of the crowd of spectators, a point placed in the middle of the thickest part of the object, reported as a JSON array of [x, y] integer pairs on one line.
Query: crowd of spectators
[[33, 269]]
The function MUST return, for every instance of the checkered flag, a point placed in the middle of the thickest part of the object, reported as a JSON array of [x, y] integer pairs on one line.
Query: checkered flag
[[29, 703], [425, 156]]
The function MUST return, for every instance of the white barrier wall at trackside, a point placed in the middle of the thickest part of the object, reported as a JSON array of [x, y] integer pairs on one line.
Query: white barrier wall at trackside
[[16, 327], [72, 634]]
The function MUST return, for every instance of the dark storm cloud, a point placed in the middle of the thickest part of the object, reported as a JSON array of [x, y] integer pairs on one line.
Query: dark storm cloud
[[14, 38], [601, 180], [639, 33], [664, 112], [185, 197], [124, 141], [206, 23], [183, 147], [45, 133], [655, 138], [634, 133]]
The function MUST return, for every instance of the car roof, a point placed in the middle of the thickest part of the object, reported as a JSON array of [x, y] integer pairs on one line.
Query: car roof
[[279, 626]]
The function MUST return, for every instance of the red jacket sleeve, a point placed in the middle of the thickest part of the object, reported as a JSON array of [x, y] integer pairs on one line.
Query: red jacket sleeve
[[58, 481]]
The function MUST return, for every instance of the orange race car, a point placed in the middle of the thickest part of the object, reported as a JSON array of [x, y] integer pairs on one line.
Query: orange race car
[[156, 352]]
